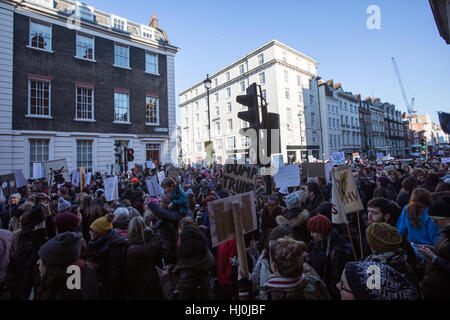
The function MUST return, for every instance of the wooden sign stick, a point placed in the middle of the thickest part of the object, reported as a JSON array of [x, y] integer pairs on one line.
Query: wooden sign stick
[[360, 236], [351, 241], [242, 254]]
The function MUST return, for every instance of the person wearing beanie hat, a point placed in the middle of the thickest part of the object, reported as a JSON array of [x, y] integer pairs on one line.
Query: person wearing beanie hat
[[293, 201], [63, 205], [66, 221], [55, 256], [324, 208], [392, 284], [328, 251], [107, 250]]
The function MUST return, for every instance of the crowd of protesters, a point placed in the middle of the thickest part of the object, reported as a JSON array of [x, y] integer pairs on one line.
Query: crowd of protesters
[[142, 247]]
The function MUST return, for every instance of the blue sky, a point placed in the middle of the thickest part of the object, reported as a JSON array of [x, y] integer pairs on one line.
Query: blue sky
[[212, 34]]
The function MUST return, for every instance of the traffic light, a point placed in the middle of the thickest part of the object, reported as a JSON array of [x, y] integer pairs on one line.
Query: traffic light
[[130, 155], [117, 152]]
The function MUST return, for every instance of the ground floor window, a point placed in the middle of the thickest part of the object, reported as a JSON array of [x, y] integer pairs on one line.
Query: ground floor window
[[84, 154], [38, 153]]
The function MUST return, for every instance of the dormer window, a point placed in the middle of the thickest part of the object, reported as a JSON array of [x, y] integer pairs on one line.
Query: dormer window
[[85, 12], [42, 3], [147, 32], [118, 23]]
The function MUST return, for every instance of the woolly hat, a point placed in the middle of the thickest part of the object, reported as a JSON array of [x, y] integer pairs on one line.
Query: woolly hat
[[63, 205], [121, 211], [63, 249], [293, 201], [134, 179], [383, 237], [281, 231], [393, 284], [33, 217], [383, 180], [319, 224], [66, 221], [16, 195], [324, 208], [103, 225]]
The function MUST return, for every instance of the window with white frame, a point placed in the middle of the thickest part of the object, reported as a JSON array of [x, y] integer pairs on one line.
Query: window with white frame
[[244, 141], [40, 35], [151, 62], [231, 143], [186, 120], [199, 146], [217, 128], [216, 96], [198, 133], [152, 110], [119, 24], [121, 55], [286, 76], [84, 103], [216, 82], [228, 76], [286, 93], [313, 119], [196, 106], [84, 154], [39, 97], [262, 78], [38, 153], [299, 80], [244, 124], [242, 83], [230, 125], [206, 115], [228, 92], [241, 69], [197, 117], [260, 59], [217, 110], [331, 141], [218, 144], [85, 46], [146, 32], [121, 107], [300, 97], [229, 108]]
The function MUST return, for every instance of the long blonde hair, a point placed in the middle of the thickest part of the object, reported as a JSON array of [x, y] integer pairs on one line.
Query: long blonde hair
[[136, 227]]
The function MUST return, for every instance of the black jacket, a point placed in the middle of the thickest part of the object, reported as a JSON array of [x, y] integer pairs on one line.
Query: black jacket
[[141, 277], [108, 253]]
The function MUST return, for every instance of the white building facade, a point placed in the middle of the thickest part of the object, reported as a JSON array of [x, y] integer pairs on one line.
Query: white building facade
[[288, 82]]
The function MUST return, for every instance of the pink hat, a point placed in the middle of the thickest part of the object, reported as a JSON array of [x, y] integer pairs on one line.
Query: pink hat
[[154, 200]]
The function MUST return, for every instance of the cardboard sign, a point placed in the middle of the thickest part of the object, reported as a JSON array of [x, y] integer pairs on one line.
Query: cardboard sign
[[221, 217], [338, 158], [445, 160], [338, 215], [83, 181], [111, 189], [88, 178], [154, 188], [161, 176], [347, 192], [75, 178], [8, 184], [239, 178], [56, 169], [313, 169], [37, 170], [20, 178], [173, 173], [288, 176]]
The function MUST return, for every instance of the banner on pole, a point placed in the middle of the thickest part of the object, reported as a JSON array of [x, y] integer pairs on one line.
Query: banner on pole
[[221, 217], [288, 176], [239, 178]]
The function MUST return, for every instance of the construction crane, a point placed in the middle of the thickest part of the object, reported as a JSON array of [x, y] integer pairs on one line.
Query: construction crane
[[409, 107]]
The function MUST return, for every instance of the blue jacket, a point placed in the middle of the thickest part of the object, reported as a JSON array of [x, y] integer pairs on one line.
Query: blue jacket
[[427, 233], [179, 201]]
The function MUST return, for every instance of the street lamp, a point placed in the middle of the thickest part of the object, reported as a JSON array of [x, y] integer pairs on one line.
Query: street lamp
[[207, 82]]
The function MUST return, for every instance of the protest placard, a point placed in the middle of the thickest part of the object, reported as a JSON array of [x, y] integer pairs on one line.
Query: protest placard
[[311, 170], [347, 192], [277, 160], [338, 158], [37, 170], [445, 160], [161, 176], [111, 189], [76, 178], [57, 171], [20, 178], [239, 178], [173, 172], [221, 217], [88, 178], [83, 181], [154, 188], [380, 155], [288, 176], [8, 184], [328, 168]]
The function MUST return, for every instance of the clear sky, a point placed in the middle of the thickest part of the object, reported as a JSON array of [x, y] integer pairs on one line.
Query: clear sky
[[212, 34]]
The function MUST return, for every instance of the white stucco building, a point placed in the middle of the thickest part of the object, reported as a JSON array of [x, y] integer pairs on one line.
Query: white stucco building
[[288, 81]]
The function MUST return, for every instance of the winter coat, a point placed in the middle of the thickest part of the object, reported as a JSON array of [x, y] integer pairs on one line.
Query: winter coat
[[180, 202], [10, 211], [426, 233], [308, 286], [297, 219], [269, 220], [328, 259], [141, 277], [436, 280], [225, 251], [398, 261], [312, 205], [403, 198], [190, 279], [108, 253]]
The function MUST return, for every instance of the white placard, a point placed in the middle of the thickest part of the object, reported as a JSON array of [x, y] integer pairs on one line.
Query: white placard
[[328, 168], [88, 178], [76, 178], [37, 170], [111, 189], [277, 160], [154, 189], [161, 176], [338, 158], [445, 160], [288, 176], [56, 165]]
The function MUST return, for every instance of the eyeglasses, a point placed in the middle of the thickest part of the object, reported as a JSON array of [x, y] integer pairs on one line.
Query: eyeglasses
[[340, 286]]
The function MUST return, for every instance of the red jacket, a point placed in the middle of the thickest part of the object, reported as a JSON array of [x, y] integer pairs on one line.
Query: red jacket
[[225, 251]]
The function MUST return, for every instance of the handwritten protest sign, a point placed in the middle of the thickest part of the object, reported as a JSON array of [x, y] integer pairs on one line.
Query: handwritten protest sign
[[287, 176], [239, 178], [154, 189], [57, 165], [221, 217], [76, 178], [37, 170], [8, 184], [20, 178], [111, 189], [161, 176], [346, 192], [88, 178], [338, 158], [313, 169]]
